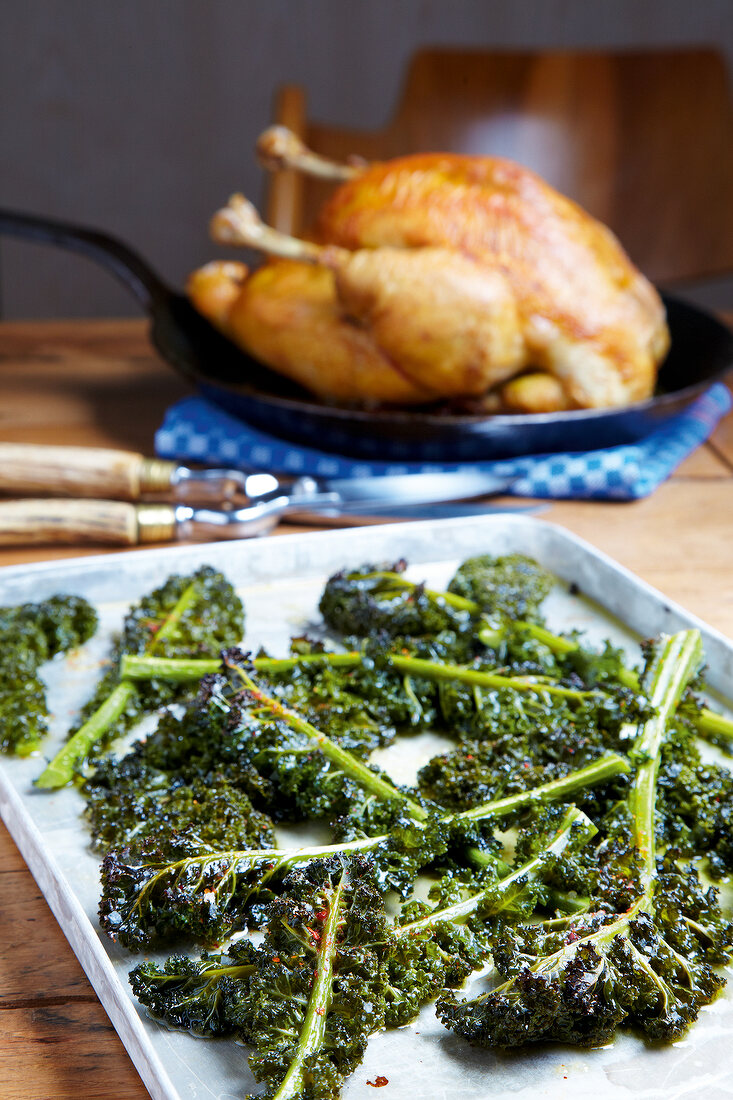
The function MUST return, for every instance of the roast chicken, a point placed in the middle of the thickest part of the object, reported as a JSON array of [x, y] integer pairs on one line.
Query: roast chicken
[[435, 277]]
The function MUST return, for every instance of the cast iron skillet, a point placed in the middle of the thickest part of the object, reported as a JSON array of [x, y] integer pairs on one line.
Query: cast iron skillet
[[701, 353]]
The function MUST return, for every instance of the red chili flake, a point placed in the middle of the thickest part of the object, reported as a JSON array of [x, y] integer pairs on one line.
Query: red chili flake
[[276, 958], [320, 1011], [571, 937], [321, 914], [378, 1082], [469, 756], [314, 935]]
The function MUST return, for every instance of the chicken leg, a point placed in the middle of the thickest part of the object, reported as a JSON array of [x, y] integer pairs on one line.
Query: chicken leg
[[447, 323]]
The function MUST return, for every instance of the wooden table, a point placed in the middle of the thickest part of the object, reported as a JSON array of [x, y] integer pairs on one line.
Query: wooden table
[[98, 384]]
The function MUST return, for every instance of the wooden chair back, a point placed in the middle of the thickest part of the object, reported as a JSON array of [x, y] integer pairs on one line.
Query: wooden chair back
[[642, 139]]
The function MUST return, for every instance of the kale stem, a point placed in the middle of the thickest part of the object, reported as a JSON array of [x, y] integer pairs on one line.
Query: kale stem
[[313, 1032], [571, 906], [175, 669], [172, 619], [348, 763], [61, 769], [708, 723], [181, 669], [556, 642], [676, 661], [460, 603], [606, 767], [284, 664], [575, 827], [432, 670]]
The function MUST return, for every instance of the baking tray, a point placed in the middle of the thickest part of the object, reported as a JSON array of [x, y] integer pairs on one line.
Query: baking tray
[[280, 580]]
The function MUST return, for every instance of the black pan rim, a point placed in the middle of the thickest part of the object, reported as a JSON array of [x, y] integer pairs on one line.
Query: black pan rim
[[385, 417]]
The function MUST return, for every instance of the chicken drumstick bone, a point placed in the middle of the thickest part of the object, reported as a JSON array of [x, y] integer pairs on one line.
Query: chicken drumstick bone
[[280, 148]]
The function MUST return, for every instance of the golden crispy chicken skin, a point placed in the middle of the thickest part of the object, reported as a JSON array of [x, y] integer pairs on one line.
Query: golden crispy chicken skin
[[287, 315], [588, 316], [440, 276]]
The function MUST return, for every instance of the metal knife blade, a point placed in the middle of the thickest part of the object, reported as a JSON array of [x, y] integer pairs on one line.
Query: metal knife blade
[[382, 491], [356, 514]]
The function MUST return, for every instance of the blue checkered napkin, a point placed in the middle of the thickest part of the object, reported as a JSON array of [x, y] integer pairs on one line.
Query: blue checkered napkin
[[196, 431]]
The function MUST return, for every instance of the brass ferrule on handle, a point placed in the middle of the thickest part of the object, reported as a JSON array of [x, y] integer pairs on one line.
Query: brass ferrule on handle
[[155, 522], [155, 475]]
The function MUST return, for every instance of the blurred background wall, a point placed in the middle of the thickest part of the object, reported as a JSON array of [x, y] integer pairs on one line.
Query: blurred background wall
[[140, 117]]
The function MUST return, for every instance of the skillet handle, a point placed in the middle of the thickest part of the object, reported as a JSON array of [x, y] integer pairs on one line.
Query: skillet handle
[[111, 253]]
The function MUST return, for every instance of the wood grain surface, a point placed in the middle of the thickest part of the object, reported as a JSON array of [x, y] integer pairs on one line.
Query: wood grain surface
[[98, 384]]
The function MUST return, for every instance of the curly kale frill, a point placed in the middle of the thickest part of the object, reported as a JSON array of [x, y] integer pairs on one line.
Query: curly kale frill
[[197, 995], [376, 598], [361, 705], [210, 619], [155, 895], [435, 947], [205, 740], [29, 635], [650, 968], [311, 775], [129, 803], [528, 741], [508, 587], [330, 929], [695, 804], [193, 616], [307, 999]]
